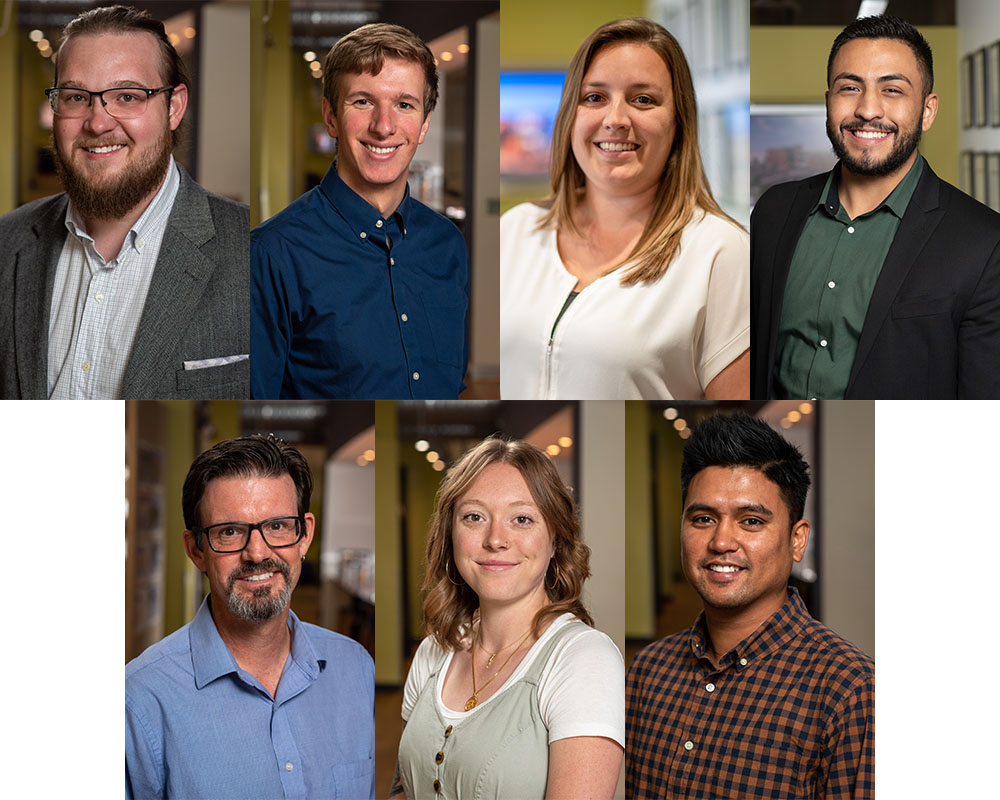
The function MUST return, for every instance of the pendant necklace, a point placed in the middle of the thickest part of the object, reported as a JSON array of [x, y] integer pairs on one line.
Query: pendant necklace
[[474, 700]]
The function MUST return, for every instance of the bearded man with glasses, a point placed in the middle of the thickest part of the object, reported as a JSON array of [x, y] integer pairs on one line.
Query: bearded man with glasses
[[134, 282], [247, 700]]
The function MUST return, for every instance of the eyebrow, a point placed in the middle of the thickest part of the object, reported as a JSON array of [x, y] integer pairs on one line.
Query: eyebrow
[[404, 96], [602, 85], [128, 83], [749, 508], [850, 76]]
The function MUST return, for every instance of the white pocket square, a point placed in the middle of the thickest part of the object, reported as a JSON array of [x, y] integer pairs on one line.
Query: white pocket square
[[203, 363]]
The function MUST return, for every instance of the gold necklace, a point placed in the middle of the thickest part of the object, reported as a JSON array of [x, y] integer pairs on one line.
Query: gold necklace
[[474, 700], [494, 655]]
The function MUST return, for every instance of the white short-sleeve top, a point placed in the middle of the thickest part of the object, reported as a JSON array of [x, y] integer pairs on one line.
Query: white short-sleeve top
[[667, 339]]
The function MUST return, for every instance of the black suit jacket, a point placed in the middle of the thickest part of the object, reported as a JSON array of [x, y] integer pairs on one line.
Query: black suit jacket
[[933, 324]]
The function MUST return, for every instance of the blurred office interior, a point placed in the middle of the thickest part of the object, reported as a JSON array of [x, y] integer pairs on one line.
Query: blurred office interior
[[163, 588], [213, 38], [416, 443], [539, 41], [455, 169], [837, 575], [790, 41]]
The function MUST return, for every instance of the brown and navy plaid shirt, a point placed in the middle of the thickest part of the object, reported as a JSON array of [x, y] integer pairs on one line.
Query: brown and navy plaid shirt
[[789, 713]]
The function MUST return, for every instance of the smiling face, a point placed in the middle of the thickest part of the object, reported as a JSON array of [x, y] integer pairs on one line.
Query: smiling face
[[109, 166], [875, 108], [256, 582], [501, 543], [736, 548], [378, 125], [625, 120]]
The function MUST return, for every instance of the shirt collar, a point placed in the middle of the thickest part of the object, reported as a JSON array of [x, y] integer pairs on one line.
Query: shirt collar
[[361, 215], [155, 216], [896, 202], [211, 658], [786, 623]]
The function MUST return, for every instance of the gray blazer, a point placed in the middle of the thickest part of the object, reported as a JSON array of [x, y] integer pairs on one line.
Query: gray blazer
[[197, 307]]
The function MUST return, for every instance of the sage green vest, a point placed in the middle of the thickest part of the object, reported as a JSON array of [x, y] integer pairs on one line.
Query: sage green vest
[[498, 750]]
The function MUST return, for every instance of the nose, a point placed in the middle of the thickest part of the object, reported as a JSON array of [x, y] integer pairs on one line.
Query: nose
[[98, 120], [616, 113], [869, 106], [256, 549], [496, 537], [382, 122], [724, 537]]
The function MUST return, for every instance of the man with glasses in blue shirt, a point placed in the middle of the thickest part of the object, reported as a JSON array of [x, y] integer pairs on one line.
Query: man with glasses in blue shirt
[[357, 290], [247, 700], [133, 283]]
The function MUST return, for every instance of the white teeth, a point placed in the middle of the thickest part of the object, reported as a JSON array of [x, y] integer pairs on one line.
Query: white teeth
[[616, 147], [108, 149], [380, 150], [263, 577], [720, 568], [871, 134]]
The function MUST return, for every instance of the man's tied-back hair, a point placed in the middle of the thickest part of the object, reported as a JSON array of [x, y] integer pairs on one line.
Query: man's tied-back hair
[[887, 28], [365, 49], [245, 457], [739, 440]]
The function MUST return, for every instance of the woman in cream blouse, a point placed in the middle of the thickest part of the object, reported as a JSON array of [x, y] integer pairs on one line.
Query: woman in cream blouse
[[514, 693], [629, 281]]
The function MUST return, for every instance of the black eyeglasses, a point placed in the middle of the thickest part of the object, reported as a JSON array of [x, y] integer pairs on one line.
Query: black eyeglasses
[[122, 102], [232, 537]]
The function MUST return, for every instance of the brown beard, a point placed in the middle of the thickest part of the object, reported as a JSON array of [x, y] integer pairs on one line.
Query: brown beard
[[116, 197]]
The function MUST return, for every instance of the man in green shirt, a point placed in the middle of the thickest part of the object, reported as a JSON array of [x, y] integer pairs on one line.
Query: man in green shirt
[[876, 280]]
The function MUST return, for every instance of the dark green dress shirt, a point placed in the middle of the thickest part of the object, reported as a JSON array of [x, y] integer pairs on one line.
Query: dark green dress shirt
[[830, 283]]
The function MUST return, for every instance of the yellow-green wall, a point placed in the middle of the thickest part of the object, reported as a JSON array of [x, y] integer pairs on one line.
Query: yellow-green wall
[[640, 606], [789, 66], [8, 116], [388, 555]]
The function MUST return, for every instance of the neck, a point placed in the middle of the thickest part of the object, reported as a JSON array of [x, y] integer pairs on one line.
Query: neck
[[860, 194], [602, 211], [727, 627], [109, 234], [385, 199], [256, 646], [502, 624]]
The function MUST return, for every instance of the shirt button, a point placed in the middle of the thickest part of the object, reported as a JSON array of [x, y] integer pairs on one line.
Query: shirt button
[[138, 244], [85, 366], [437, 786], [689, 745], [822, 342], [403, 317], [439, 758], [364, 235], [416, 376], [447, 732], [288, 766], [831, 284], [99, 298], [710, 688], [850, 229], [743, 662], [392, 262], [378, 224]]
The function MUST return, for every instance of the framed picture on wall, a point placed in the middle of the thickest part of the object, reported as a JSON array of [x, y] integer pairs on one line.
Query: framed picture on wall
[[965, 74], [965, 172], [993, 82], [979, 87], [979, 188], [993, 180]]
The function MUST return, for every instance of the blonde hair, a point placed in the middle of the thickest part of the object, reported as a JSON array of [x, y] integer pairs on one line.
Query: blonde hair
[[683, 186], [450, 605]]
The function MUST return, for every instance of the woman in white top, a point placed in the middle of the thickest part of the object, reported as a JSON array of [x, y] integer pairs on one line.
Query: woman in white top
[[513, 693], [628, 281]]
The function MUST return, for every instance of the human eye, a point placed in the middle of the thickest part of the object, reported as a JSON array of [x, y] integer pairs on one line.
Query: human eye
[[753, 522], [701, 520], [645, 100], [472, 517], [592, 97], [70, 97], [523, 520], [227, 531], [126, 97]]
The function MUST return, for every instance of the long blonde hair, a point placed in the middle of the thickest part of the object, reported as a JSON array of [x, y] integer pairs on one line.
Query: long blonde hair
[[683, 185]]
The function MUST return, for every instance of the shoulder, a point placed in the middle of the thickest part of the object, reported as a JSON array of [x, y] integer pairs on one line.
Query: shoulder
[[170, 656], [967, 212], [340, 652], [521, 218], [298, 219], [19, 221], [724, 233], [427, 219], [840, 660], [429, 655], [577, 641], [778, 198], [654, 657], [229, 213]]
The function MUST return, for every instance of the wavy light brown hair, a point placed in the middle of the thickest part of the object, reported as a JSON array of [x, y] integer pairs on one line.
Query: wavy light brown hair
[[450, 605], [683, 185]]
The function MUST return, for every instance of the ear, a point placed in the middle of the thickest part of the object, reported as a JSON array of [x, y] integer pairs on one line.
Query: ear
[[330, 119], [930, 111], [307, 539], [178, 105], [194, 553], [800, 538], [423, 129]]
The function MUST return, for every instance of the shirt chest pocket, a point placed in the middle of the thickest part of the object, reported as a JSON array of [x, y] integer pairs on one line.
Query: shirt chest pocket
[[353, 780], [922, 307], [769, 758]]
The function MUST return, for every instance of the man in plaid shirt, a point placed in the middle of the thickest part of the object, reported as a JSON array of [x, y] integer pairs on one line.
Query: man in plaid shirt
[[757, 699]]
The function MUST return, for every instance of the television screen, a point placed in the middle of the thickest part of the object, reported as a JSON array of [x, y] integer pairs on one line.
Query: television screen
[[788, 142], [529, 102]]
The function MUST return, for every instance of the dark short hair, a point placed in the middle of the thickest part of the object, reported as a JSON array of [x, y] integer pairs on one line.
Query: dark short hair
[[888, 28], [365, 50], [245, 457], [738, 440], [125, 19]]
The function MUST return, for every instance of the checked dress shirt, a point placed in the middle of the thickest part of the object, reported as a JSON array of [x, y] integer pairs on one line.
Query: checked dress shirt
[[788, 713]]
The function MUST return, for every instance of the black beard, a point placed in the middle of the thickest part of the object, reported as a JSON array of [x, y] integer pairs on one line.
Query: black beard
[[906, 143], [115, 198]]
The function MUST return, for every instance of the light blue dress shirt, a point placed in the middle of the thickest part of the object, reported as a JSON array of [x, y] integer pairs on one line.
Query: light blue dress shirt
[[198, 726]]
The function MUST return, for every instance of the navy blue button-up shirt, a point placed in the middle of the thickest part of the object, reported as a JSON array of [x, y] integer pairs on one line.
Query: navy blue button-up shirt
[[345, 303]]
